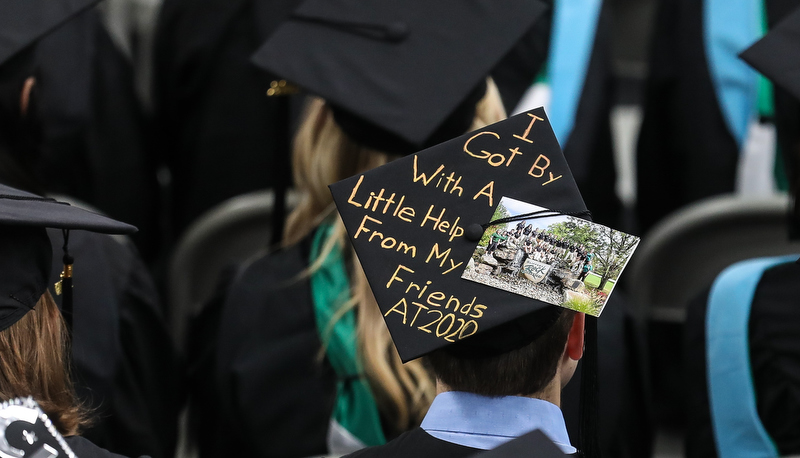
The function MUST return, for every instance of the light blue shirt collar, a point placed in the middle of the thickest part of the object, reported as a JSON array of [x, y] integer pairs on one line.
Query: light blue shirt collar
[[485, 422]]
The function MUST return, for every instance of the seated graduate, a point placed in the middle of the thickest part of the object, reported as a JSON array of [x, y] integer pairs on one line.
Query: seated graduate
[[34, 336], [693, 67], [742, 357], [742, 342], [124, 365], [500, 359], [303, 358]]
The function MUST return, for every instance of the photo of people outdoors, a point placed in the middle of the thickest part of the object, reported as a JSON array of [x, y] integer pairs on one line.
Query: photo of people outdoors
[[560, 259]]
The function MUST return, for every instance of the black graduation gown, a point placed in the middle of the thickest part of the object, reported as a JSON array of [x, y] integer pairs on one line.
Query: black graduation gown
[[416, 443], [94, 132], [126, 370], [261, 389], [589, 150], [83, 448], [686, 151], [774, 335], [216, 129]]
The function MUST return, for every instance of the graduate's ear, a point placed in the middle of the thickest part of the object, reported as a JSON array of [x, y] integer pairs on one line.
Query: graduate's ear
[[25, 95], [575, 338]]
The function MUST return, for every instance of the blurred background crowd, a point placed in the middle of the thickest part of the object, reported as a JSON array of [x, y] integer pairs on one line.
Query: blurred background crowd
[[153, 113]]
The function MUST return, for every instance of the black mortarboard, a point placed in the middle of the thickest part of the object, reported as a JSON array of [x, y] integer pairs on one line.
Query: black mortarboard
[[22, 22], [415, 223], [400, 76], [435, 197], [534, 444], [777, 54], [25, 249]]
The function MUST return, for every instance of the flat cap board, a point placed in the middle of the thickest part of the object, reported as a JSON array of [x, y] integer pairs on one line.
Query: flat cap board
[[777, 54], [404, 66], [22, 22], [407, 222], [21, 208]]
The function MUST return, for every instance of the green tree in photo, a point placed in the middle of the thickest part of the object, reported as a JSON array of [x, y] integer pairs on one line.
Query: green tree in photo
[[611, 252], [577, 231]]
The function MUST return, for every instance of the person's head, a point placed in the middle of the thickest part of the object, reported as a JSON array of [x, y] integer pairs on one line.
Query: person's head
[[23, 24], [394, 78], [538, 368], [34, 351], [484, 328], [324, 154], [34, 361]]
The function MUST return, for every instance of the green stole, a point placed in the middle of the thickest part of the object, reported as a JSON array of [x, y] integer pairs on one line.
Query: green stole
[[355, 407]]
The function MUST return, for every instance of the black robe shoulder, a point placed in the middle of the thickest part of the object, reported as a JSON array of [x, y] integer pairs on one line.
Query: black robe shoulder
[[216, 130], [126, 369], [273, 390], [774, 334], [95, 146], [83, 448], [416, 444], [683, 134]]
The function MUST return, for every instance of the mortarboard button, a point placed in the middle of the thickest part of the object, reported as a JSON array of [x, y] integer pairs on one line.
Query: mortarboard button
[[474, 232]]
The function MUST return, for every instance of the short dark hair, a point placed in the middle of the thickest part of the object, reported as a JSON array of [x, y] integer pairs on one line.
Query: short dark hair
[[523, 371]]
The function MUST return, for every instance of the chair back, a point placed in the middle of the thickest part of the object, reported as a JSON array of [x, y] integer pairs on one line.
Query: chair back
[[225, 235], [683, 254]]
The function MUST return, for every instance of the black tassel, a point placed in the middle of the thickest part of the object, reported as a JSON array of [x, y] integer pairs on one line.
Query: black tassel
[[589, 444], [64, 286]]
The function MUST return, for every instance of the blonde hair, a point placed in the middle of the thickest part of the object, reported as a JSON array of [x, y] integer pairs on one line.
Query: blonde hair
[[324, 154], [34, 362]]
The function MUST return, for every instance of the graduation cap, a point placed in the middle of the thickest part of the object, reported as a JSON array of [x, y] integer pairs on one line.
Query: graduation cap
[[399, 76], [777, 56], [534, 444], [26, 253], [409, 222], [415, 222], [22, 22]]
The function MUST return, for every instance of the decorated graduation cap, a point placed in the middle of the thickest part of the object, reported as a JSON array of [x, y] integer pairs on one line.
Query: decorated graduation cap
[[422, 225], [26, 253], [399, 76], [415, 224]]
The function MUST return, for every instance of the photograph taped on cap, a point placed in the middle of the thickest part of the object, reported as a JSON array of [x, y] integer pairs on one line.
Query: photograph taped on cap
[[560, 259]]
